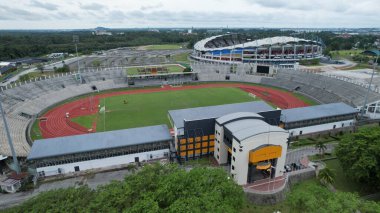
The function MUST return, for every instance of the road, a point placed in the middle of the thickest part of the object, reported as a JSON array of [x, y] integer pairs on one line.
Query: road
[[293, 156], [9, 200]]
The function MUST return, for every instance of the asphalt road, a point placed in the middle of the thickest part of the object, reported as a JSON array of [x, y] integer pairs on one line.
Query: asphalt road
[[294, 156], [9, 200]]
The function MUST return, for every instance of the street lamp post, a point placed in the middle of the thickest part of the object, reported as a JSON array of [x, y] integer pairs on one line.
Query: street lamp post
[[76, 41]]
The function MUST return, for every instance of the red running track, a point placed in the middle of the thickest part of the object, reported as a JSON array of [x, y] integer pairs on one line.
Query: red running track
[[57, 125]]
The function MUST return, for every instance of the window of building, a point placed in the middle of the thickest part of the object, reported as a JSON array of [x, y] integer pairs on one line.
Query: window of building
[[334, 126], [342, 124], [233, 167], [233, 158], [218, 149], [217, 156], [234, 149], [300, 132]]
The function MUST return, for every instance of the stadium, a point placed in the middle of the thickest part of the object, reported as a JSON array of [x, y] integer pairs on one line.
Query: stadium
[[282, 51], [103, 117]]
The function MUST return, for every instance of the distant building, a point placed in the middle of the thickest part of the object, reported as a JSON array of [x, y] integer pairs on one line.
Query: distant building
[[154, 30], [5, 63], [7, 69], [214, 31], [57, 55], [101, 32], [377, 43], [238, 50], [344, 35]]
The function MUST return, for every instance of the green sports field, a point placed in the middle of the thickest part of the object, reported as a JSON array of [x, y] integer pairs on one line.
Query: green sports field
[[163, 47], [152, 108], [171, 68]]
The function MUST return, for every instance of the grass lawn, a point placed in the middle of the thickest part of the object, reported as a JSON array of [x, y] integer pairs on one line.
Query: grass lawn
[[338, 54], [163, 47], [312, 141], [85, 121], [182, 57], [152, 108], [305, 99], [318, 157], [35, 132], [342, 182], [171, 68]]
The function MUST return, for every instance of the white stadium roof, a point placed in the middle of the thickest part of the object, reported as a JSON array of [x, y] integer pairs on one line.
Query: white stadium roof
[[200, 45]]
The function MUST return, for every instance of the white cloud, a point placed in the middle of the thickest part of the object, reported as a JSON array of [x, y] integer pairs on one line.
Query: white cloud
[[184, 13]]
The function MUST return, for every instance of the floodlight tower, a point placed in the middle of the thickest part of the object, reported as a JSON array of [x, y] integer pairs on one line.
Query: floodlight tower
[[76, 41], [15, 161], [372, 53]]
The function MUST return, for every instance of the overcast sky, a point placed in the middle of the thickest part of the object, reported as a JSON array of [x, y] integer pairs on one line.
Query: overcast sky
[[79, 14]]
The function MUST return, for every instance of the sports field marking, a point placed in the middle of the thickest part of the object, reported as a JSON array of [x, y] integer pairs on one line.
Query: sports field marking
[[152, 108], [58, 127]]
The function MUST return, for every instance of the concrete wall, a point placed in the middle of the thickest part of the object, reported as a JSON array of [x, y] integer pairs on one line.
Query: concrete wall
[[278, 195], [320, 128], [221, 155], [240, 171], [104, 162]]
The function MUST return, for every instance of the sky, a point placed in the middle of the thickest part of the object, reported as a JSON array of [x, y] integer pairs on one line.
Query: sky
[[84, 14]]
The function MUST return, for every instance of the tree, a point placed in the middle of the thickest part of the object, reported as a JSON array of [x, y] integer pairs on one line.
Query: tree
[[25, 77], [155, 188], [64, 68], [313, 198], [359, 155], [40, 67], [96, 63], [320, 145], [326, 176]]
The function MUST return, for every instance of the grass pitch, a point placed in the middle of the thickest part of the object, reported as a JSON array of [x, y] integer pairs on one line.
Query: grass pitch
[[163, 47], [171, 68], [152, 108]]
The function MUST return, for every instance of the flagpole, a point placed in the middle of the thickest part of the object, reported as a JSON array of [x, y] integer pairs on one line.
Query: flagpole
[[104, 115]]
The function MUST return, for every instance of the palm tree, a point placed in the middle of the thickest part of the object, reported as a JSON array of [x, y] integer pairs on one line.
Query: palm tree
[[326, 176], [321, 147]]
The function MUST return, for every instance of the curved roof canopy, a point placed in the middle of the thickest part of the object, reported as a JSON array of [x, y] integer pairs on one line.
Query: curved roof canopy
[[246, 128], [200, 45], [371, 52], [237, 116]]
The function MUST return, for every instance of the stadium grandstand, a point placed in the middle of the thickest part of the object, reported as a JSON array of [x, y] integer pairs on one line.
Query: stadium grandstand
[[317, 86], [22, 108], [283, 51], [193, 128]]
